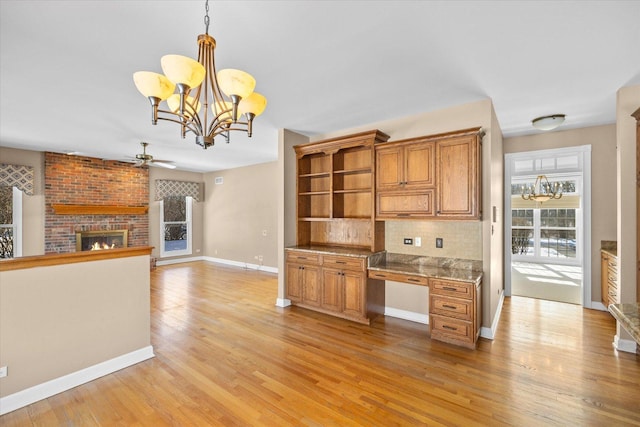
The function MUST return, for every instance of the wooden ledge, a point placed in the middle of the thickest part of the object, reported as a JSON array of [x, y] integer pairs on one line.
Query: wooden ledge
[[72, 257], [99, 210]]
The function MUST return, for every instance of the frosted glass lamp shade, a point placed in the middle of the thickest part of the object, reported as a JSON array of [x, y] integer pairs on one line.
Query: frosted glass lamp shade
[[236, 82], [254, 103], [548, 122], [190, 103], [153, 84], [183, 70]]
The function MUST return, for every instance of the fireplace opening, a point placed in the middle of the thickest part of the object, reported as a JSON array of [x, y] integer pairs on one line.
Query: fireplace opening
[[99, 240]]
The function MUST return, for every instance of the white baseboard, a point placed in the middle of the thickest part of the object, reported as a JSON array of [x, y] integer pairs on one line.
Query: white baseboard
[[490, 333], [597, 305], [242, 264], [628, 346], [283, 302], [178, 260], [407, 315], [58, 385]]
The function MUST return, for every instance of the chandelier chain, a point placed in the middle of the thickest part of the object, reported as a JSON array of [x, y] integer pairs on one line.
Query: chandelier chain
[[206, 17]]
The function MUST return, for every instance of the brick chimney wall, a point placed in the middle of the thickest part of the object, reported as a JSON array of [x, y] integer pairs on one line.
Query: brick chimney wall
[[76, 180]]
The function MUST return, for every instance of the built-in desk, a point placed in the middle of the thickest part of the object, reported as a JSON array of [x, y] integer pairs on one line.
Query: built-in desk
[[629, 317], [454, 292]]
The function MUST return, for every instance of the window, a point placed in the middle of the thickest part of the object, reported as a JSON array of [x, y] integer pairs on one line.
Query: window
[[175, 225], [10, 222], [546, 231]]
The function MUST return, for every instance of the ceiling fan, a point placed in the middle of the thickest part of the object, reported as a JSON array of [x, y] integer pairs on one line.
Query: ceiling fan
[[143, 160]]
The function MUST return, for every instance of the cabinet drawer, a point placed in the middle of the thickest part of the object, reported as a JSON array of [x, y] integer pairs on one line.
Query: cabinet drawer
[[451, 288], [405, 204], [447, 327], [343, 262], [454, 307], [303, 257], [399, 277]]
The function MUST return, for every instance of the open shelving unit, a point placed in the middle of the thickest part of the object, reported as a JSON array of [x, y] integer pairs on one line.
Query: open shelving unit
[[336, 192]]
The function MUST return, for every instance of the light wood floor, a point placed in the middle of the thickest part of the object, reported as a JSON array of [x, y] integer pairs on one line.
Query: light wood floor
[[225, 355]]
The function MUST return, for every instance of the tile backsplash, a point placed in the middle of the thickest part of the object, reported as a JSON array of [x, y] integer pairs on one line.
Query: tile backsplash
[[461, 239]]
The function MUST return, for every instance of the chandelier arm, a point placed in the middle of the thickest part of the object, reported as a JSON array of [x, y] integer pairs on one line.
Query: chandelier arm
[[190, 127]]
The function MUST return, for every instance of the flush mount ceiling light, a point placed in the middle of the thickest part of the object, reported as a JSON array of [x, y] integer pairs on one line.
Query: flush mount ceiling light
[[206, 103], [548, 122]]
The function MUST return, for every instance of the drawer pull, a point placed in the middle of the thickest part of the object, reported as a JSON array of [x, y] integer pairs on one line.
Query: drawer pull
[[412, 280], [448, 288], [451, 328], [301, 257], [380, 275], [403, 214], [452, 307], [341, 262]]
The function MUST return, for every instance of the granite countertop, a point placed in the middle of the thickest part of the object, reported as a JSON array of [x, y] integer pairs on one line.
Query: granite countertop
[[431, 267], [610, 247], [425, 266], [629, 317], [334, 250]]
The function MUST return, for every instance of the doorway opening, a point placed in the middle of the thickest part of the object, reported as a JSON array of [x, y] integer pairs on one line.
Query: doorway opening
[[549, 243]]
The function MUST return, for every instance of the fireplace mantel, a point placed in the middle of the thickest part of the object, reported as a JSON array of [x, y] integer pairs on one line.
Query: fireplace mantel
[[98, 210]]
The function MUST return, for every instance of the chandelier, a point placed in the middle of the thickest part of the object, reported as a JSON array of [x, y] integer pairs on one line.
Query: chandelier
[[205, 102], [542, 190]]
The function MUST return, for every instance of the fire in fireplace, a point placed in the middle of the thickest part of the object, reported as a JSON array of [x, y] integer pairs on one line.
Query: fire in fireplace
[[103, 239]]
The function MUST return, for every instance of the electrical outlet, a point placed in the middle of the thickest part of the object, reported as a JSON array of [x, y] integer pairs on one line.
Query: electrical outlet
[[418, 241], [264, 233], [3, 371], [260, 258], [439, 242], [408, 241]]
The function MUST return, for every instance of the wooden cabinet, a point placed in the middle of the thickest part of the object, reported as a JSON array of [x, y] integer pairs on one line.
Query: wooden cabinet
[[303, 278], [609, 278], [333, 284], [459, 179], [335, 192], [604, 278], [430, 177], [455, 311]]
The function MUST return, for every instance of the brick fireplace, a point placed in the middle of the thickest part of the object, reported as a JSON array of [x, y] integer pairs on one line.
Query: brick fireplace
[[85, 194]]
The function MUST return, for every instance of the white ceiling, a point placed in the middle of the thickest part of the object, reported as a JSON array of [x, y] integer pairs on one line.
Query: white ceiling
[[66, 67]]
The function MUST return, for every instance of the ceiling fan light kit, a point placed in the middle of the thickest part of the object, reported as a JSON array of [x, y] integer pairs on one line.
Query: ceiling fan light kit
[[548, 122], [199, 99]]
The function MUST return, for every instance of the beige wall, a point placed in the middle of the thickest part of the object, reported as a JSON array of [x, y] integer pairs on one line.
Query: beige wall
[[603, 180], [628, 101], [32, 206], [287, 220], [197, 244], [60, 319], [450, 119], [238, 211]]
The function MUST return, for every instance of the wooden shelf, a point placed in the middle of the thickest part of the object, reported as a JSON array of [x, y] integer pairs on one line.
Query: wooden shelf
[[351, 171], [352, 191], [99, 210], [314, 193], [315, 175]]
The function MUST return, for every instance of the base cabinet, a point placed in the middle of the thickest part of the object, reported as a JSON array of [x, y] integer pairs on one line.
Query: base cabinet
[[454, 312], [337, 285], [609, 279]]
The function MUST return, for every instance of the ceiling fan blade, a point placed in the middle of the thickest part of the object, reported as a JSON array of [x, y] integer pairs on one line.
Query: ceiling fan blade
[[162, 164]]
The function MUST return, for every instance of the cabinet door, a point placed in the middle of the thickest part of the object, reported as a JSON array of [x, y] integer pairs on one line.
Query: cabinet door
[[294, 282], [604, 279], [354, 294], [311, 285], [458, 178], [419, 165], [332, 290], [389, 168]]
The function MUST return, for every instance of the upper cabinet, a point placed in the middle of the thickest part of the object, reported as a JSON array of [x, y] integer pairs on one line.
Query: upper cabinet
[[430, 177], [336, 192]]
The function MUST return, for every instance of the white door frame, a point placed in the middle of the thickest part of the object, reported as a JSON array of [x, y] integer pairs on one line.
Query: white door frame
[[584, 151]]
